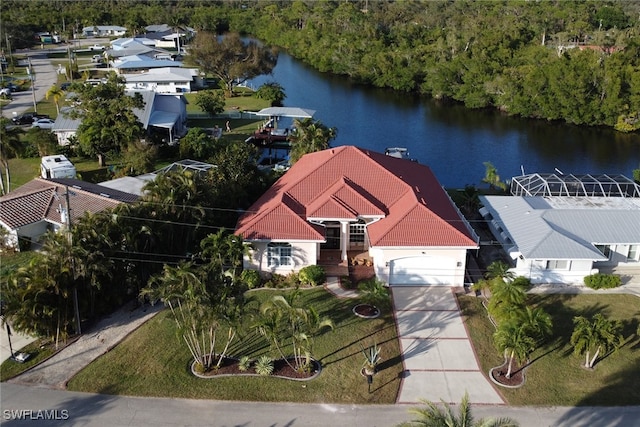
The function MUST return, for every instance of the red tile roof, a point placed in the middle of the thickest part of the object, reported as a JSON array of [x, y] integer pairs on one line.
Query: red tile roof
[[41, 199], [349, 182]]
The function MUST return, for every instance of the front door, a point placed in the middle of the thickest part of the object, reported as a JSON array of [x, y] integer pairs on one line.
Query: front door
[[332, 234]]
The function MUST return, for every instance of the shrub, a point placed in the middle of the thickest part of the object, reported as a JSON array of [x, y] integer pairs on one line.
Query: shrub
[[374, 292], [346, 282], [251, 278], [244, 363], [198, 368], [313, 275], [602, 281], [264, 365]]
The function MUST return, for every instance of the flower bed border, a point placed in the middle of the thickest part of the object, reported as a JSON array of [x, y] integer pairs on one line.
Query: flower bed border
[[250, 374]]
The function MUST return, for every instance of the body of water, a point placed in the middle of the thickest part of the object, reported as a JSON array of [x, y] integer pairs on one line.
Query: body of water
[[452, 140]]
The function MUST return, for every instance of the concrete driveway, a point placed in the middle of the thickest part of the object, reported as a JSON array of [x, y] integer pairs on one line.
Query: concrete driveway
[[438, 358]]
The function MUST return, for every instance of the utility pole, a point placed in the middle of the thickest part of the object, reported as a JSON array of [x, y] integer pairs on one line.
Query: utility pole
[[32, 76], [73, 270]]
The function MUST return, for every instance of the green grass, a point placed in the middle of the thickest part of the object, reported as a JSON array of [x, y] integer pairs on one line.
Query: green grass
[[555, 376], [153, 361], [24, 170], [39, 350]]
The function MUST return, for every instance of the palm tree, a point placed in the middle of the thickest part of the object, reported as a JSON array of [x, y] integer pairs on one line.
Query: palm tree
[[492, 178], [281, 319], [515, 340], [10, 146], [598, 335], [56, 93], [435, 416], [309, 136], [536, 322]]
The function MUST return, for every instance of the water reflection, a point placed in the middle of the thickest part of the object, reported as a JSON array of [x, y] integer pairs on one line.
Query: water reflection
[[451, 139]]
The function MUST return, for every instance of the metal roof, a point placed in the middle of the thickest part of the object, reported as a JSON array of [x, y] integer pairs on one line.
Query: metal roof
[[544, 228], [286, 112]]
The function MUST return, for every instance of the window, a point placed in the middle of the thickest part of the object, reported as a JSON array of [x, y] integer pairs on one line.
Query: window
[[632, 255], [605, 249], [558, 264], [279, 254], [356, 232]]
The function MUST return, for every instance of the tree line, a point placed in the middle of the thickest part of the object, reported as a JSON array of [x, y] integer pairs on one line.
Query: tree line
[[570, 61]]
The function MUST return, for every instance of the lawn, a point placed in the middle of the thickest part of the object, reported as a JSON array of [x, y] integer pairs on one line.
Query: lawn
[[24, 170], [555, 376], [153, 361]]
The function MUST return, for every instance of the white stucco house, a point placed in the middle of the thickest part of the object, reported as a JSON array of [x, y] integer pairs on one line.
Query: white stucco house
[[103, 31], [164, 80], [560, 228], [350, 199]]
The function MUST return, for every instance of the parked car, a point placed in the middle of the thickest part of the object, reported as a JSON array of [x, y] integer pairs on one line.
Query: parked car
[[65, 85], [27, 118], [96, 47], [5, 91], [96, 58], [43, 124]]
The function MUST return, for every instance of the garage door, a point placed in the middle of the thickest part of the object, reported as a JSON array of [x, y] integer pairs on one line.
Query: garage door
[[421, 270]]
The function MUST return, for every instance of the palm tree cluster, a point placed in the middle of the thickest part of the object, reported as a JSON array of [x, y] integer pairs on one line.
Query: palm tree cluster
[[520, 329], [204, 298], [281, 319], [596, 335]]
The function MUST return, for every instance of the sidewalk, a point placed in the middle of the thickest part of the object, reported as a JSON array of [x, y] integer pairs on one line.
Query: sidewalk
[[106, 334]]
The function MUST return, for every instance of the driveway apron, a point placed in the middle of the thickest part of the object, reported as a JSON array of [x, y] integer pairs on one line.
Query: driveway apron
[[439, 360]]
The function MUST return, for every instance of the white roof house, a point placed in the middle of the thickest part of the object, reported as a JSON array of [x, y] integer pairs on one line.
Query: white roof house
[[164, 80], [562, 239], [164, 112], [103, 30], [140, 63]]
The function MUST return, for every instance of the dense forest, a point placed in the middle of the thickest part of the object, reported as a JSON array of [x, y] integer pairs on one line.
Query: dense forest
[[575, 61]]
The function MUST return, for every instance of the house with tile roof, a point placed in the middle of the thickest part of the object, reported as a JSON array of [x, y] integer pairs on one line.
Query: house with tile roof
[[350, 199], [41, 205], [557, 239]]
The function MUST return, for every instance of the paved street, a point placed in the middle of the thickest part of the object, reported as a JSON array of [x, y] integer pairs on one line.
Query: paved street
[[96, 410]]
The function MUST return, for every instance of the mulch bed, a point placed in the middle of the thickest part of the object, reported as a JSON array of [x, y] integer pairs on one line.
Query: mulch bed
[[517, 378], [366, 310], [230, 366]]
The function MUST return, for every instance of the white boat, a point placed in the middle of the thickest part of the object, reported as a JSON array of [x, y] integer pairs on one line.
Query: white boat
[[397, 152]]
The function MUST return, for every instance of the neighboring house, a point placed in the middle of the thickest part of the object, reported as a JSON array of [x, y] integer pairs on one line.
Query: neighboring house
[[559, 229], [350, 199], [103, 31], [141, 63], [135, 184], [41, 205], [167, 37], [132, 46], [164, 80], [163, 113]]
